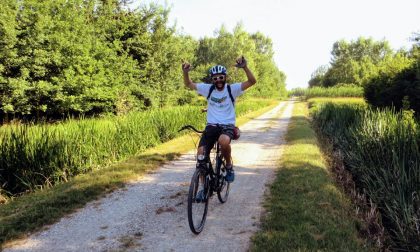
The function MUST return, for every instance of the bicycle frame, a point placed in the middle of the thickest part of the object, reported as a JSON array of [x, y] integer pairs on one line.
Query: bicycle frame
[[212, 171], [212, 168], [212, 178]]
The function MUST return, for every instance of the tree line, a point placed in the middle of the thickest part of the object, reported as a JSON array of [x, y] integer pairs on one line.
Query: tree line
[[90, 57], [389, 78]]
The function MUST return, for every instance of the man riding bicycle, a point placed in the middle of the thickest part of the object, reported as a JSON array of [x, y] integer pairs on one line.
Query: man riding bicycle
[[220, 110]]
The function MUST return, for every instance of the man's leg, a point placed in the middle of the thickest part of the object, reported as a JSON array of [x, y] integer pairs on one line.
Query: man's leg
[[200, 152], [200, 194], [206, 142], [224, 141]]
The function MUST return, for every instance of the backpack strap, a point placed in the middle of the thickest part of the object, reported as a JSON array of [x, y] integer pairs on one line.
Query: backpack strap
[[211, 91], [230, 94], [229, 91]]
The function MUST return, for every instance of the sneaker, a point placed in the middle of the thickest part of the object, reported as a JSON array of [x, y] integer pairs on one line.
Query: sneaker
[[200, 197], [230, 174]]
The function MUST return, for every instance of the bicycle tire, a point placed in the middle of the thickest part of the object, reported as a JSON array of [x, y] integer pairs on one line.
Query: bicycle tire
[[197, 211], [223, 185]]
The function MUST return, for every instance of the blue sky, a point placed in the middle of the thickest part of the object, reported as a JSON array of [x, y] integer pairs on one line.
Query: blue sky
[[303, 31]]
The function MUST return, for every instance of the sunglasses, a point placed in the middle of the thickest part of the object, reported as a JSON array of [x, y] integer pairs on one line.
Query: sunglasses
[[221, 77]]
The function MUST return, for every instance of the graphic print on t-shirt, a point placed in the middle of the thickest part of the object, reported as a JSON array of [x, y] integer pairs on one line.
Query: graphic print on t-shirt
[[218, 100]]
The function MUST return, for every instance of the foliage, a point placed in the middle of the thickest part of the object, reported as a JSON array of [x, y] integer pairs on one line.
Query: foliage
[[398, 83], [343, 90], [317, 77], [389, 79], [381, 149], [33, 156], [359, 62], [314, 103], [392, 90], [93, 57], [355, 62], [61, 66], [257, 48]]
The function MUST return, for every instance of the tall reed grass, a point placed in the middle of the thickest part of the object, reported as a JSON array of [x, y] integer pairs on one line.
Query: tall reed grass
[[381, 148], [33, 156], [336, 91]]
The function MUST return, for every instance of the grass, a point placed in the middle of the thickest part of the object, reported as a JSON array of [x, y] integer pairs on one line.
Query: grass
[[335, 91], [35, 156], [346, 100], [315, 103], [305, 210], [32, 211], [381, 149]]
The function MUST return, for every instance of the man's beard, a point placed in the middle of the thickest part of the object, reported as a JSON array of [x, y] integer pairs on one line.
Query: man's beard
[[220, 84]]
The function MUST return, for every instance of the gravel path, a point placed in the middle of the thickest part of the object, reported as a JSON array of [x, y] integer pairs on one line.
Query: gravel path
[[151, 214]]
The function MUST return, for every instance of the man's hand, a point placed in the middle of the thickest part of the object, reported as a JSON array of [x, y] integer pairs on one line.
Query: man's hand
[[186, 67], [241, 62]]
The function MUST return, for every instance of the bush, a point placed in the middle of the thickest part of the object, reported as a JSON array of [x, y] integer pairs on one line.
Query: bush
[[388, 90]]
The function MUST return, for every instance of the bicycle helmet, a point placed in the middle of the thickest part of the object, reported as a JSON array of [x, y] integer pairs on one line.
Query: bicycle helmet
[[218, 69]]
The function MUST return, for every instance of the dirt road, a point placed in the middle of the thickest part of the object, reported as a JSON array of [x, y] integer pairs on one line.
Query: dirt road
[[151, 214]]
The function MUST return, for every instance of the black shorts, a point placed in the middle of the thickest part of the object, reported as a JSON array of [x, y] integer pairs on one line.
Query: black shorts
[[212, 134]]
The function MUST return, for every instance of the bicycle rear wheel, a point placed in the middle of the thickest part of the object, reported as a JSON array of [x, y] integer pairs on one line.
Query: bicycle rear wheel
[[197, 210], [224, 186]]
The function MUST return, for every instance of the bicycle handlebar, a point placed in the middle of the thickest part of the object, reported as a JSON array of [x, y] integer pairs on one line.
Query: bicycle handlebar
[[191, 128]]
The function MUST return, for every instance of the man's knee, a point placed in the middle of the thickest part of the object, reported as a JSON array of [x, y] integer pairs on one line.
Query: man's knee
[[200, 150], [224, 140]]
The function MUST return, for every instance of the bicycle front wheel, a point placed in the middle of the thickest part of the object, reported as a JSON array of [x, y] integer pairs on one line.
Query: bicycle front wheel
[[223, 186], [198, 204]]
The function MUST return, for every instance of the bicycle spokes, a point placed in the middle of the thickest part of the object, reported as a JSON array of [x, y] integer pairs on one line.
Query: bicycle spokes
[[198, 201], [224, 186], [204, 182]]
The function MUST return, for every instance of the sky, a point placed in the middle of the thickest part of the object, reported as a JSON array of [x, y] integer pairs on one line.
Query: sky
[[302, 31]]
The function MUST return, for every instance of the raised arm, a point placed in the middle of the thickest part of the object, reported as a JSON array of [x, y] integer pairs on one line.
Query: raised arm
[[186, 67], [241, 63]]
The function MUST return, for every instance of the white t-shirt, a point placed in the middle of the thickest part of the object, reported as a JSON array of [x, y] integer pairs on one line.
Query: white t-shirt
[[220, 109]]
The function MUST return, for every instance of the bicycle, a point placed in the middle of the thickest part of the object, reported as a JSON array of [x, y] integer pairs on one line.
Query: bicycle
[[210, 178]]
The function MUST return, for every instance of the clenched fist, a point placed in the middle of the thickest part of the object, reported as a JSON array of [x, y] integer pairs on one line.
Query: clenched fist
[[241, 62], [186, 67]]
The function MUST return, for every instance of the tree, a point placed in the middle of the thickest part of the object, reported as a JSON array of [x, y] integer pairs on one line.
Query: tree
[[398, 82], [317, 77], [10, 91], [90, 57], [356, 61]]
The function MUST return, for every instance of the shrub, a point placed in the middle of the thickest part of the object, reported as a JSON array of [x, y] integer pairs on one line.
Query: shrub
[[388, 90]]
